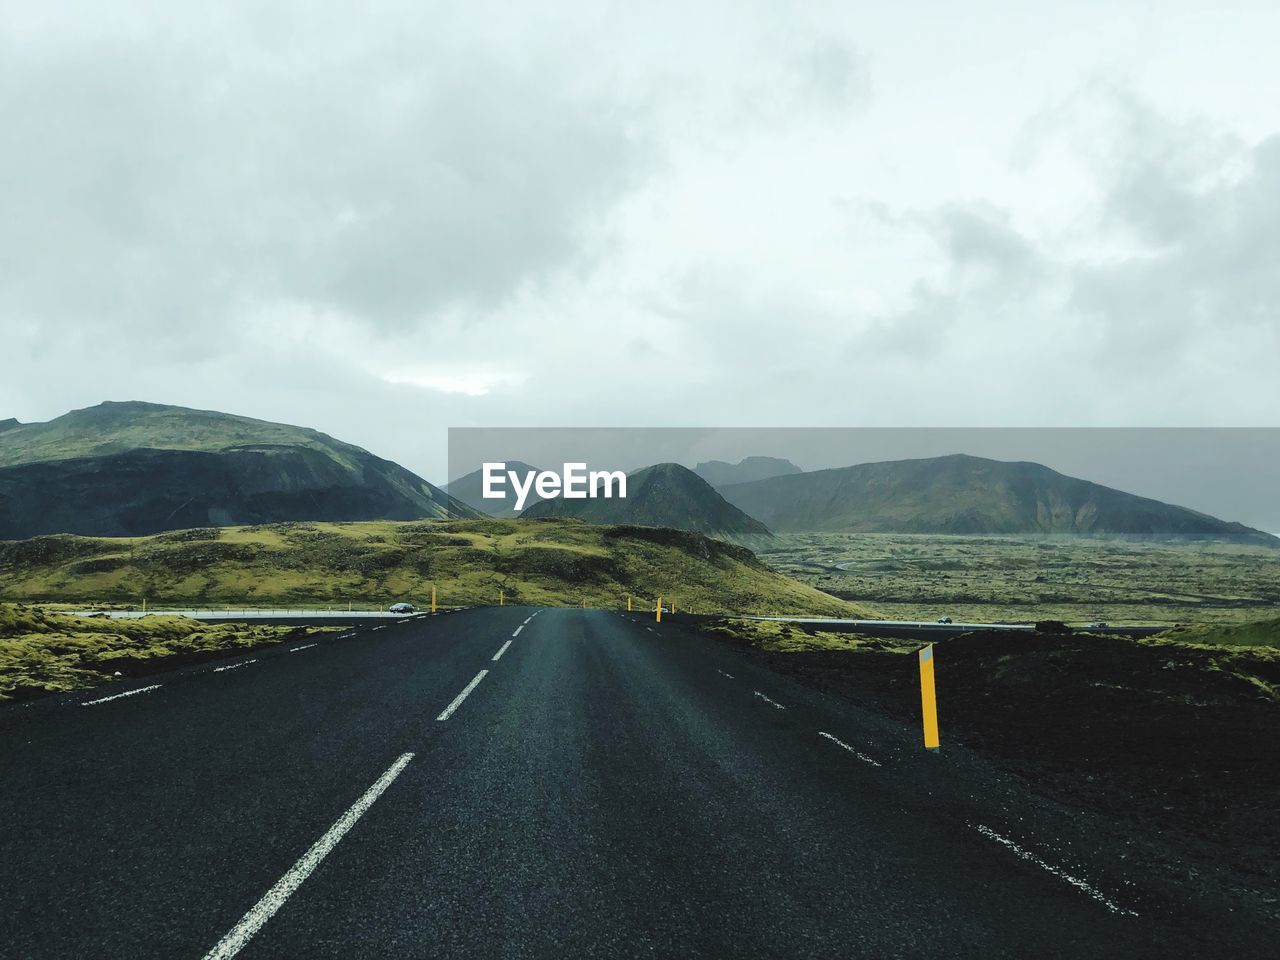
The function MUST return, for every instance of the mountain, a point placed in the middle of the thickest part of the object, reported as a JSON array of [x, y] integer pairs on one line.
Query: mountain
[[967, 495], [468, 489], [718, 473], [129, 469], [664, 495]]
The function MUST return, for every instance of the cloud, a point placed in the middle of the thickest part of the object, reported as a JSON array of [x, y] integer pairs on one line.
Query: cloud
[[387, 166], [1173, 252], [382, 221]]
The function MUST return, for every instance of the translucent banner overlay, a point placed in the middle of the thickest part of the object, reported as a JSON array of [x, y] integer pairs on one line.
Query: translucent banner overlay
[[1221, 474]]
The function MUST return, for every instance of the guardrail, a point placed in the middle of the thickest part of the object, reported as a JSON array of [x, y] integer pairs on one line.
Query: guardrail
[[242, 613]]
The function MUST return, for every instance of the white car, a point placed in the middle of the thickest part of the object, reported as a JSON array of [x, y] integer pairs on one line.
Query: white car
[[944, 619], [1097, 625]]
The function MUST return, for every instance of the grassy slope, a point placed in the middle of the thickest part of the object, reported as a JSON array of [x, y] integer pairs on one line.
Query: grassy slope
[[115, 427], [43, 652], [468, 562], [1259, 633]]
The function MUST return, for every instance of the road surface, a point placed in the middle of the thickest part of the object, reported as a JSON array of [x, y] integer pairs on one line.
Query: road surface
[[512, 782]]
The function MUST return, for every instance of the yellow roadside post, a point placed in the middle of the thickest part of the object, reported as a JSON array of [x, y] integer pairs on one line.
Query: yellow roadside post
[[502, 598], [657, 610], [673, 606], [628, 604], [433, 599], [928, 699]]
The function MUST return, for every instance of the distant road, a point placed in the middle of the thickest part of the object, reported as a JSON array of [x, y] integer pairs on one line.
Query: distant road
[[298, 616], [932, 629], [917, 629], [512, 782]]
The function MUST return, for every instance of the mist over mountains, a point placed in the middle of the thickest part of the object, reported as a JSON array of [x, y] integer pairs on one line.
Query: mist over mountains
[[134, 468], [664, 495], [961, 494], [718, 473], [469, 489]]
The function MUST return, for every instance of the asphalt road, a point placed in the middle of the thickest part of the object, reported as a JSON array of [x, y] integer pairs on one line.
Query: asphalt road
[[608, 787]]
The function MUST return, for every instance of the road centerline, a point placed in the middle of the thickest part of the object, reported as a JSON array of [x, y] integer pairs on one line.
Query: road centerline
[[273, 899], [457, 701], [501, 650]]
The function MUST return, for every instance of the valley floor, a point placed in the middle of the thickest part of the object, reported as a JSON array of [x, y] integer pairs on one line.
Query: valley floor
[[1073, 579]]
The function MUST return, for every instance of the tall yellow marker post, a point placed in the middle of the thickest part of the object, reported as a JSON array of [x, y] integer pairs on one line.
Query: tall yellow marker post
[[928, 699], [502, 598], [657, 611], [673, 606], [628, 604], [433, 599]]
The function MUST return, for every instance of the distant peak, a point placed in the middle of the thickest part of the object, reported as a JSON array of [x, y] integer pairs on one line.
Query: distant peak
[[134, 405], [9, 424]]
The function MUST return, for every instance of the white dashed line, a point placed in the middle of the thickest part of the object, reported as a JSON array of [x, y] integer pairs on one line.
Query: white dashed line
[[840, 743], [117, 696], [305, 646], [501, 650], [457, 701], [518, 629], [1058, 872], [233, 666], [773, 703], [274, 899], [723, 674]]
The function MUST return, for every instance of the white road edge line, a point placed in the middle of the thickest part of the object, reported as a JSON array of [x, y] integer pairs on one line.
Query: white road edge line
[[117, 696], [305, 646], [1058, 872], [274, 899], [518, 629], [840, 743], [457, 701], [772, 703], [501, 650], [233, 666]]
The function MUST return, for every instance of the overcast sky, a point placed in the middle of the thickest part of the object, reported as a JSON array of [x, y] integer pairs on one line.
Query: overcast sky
[[385, 219]]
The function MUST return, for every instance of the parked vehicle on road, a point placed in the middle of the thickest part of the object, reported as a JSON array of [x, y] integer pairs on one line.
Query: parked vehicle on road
[[403, 608]]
